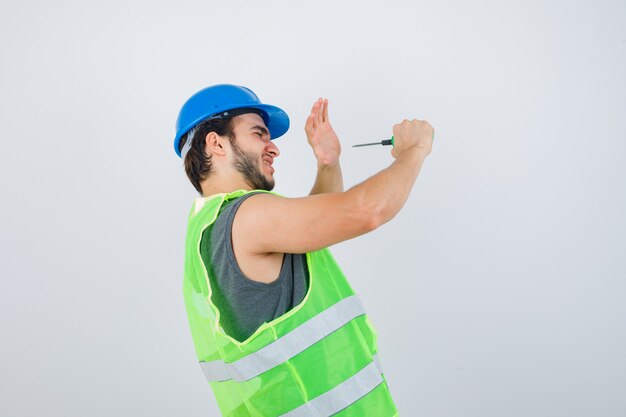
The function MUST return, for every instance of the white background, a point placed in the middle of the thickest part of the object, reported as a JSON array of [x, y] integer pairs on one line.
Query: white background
[[499, 290]]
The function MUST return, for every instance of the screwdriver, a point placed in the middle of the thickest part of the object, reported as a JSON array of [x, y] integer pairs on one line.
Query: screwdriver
[[384, 143]]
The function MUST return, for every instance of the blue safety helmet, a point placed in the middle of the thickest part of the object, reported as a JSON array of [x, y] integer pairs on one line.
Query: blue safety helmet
[[217, 100]]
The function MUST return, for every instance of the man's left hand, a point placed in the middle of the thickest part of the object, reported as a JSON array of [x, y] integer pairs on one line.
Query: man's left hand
[[321, 136]]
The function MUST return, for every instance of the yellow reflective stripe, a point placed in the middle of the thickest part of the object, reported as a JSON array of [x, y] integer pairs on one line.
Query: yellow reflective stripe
[[287, 346], [342, 395]]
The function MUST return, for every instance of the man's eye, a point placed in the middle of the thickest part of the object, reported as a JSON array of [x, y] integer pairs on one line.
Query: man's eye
[[260, 134]]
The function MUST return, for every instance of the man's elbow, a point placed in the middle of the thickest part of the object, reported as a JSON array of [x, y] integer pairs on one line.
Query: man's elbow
[[371, 214]]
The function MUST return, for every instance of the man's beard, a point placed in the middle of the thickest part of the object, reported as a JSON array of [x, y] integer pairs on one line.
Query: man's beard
[[247, 164]]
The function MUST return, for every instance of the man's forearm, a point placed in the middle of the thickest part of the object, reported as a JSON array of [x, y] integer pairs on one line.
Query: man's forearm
[[387, 191], [328, 180]]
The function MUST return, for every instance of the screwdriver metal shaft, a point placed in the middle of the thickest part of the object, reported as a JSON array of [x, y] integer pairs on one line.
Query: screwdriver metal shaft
[[384, 143]]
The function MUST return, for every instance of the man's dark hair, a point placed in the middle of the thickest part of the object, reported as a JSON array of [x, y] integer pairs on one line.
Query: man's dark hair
[[197, 163]]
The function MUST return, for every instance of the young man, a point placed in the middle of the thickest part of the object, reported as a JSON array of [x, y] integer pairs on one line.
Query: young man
[[277, 328]]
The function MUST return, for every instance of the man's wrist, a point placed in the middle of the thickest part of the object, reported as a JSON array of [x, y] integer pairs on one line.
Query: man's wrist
[[414, 152], [327, 167]]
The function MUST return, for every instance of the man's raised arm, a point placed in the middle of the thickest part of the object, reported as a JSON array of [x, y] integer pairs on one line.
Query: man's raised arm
[[266, 223]]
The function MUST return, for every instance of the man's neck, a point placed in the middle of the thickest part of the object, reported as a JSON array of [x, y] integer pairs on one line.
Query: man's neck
[[219, 185]]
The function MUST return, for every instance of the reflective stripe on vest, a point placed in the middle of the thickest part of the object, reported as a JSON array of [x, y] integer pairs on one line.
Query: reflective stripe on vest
[[287, 346], [344, 394]]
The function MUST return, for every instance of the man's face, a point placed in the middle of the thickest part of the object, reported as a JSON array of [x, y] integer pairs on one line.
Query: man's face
[[253, 151]]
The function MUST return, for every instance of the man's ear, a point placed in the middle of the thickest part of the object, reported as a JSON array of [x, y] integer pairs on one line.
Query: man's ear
[[215, 144]]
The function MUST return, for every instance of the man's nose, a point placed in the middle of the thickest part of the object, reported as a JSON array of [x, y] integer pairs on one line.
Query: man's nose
[[273, 149]]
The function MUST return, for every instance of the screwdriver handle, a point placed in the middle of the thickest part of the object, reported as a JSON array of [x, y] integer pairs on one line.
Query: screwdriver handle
[[388, 142]]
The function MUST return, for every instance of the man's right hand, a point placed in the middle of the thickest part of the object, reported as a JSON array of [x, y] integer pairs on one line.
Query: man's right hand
[[412, 134]]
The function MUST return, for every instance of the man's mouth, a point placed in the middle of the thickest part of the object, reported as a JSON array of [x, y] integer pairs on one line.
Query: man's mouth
[[268, 162]]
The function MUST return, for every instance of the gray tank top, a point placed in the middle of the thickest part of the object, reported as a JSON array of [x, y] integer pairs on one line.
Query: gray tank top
[[245, 304]]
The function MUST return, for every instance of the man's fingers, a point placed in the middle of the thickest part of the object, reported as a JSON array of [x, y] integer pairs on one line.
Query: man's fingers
[[316, 113], [319, 104], [308, 125], [319, 114]]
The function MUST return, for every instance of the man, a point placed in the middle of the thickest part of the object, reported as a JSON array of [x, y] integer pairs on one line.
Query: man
[[277, 328]]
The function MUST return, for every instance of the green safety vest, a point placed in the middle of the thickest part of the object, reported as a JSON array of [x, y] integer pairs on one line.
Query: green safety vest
[[318, 359]]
